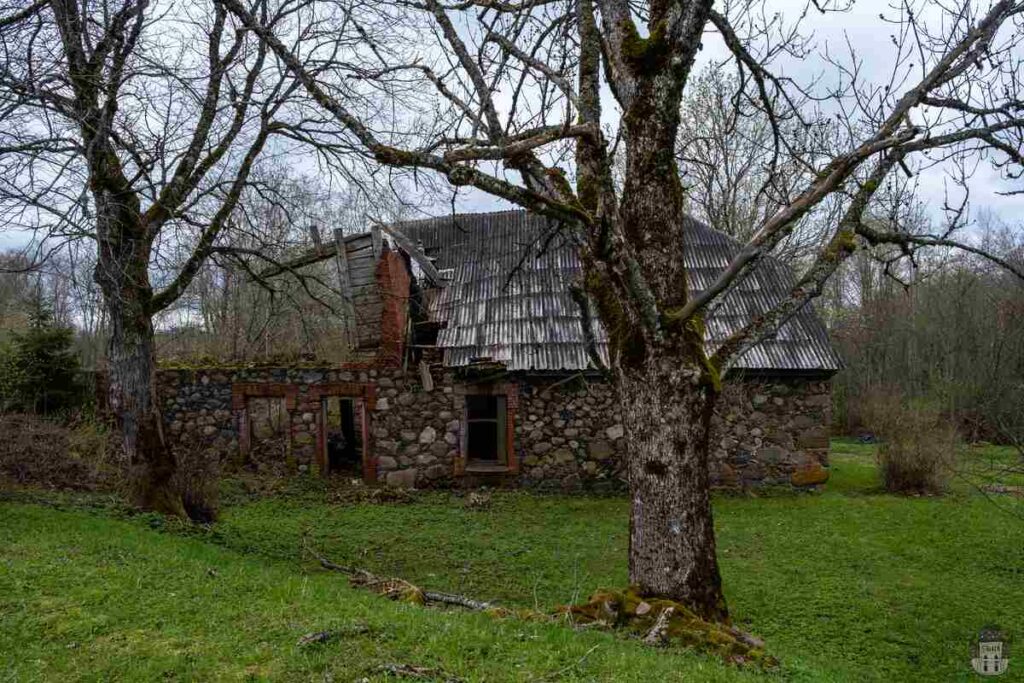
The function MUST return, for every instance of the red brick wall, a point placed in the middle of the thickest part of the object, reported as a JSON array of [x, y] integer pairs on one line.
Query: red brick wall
[[394, 282]]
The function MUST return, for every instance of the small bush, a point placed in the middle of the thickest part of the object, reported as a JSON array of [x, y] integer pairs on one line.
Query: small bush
[[79, 455], [917, 449]]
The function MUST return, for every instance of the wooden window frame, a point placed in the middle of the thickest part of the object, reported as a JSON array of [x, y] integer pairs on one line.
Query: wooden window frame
[[510, 392], [241, 393]]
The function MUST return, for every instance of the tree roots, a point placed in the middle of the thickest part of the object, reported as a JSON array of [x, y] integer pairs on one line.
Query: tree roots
[[656, 621], [659, 621]]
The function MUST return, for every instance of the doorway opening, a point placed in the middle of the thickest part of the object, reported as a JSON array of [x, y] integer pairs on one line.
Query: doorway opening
[[485, 430], [268, 424], [342, 420]]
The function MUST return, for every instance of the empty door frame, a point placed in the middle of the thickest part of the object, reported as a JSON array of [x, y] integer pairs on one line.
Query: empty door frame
[[241, 392], [366, 398]]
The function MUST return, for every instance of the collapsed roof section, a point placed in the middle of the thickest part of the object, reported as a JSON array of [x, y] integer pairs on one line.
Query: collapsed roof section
[[508, 298], [497, 288]]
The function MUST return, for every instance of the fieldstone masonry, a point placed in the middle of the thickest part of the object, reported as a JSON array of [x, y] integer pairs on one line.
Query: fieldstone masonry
[[563, 435]]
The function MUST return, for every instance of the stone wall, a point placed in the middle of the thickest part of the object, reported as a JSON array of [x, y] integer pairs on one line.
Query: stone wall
[[772, 432], [561, 434]]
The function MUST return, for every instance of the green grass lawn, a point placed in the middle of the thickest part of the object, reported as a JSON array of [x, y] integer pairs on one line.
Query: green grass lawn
[[846, 584]]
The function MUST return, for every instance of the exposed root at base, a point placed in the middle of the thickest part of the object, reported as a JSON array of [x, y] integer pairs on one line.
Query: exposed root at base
[[658, 621]]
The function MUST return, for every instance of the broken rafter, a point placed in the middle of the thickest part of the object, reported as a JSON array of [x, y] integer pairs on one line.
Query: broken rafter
[[409, 247], [306, 258]]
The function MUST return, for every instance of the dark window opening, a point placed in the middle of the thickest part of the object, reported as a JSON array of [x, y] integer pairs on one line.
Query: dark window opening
[[343, 435], [485, 429]]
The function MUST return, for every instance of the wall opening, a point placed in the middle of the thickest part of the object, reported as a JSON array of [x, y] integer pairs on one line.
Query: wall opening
[[342, 420], [486, 417], [269, 442]]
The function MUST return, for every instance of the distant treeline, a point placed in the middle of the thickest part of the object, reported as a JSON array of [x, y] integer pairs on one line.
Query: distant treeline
[[951, 336]]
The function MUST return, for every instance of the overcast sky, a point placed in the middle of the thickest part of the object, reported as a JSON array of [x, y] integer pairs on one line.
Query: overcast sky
[[870, 38]]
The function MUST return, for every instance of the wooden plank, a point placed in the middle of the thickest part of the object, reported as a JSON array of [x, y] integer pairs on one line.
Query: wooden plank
[[362, 270], [353, 244], [417, 255], [314, 233], [360, 240], [377, 240], [348, 310], [426, 379]]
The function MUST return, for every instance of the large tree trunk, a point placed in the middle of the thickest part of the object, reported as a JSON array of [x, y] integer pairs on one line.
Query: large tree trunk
[[666, 384], [122, 271], [667, 408], [133, 400]]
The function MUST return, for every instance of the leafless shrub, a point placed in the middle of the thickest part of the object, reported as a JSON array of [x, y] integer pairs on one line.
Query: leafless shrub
[[79, 455], [918, 445], [198, 479]]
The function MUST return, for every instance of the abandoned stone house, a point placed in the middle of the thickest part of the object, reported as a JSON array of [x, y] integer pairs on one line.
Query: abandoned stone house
[[471, 366]]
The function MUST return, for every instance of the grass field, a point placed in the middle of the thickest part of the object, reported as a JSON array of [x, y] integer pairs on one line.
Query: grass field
[[846, 584]]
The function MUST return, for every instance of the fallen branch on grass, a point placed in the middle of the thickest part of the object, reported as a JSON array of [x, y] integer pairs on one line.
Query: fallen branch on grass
[[459, 600], [421, 673], [655, 621], [318, 637], [397, 589]]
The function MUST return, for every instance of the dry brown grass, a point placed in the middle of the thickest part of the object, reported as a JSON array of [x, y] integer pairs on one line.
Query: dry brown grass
[[78, 454]]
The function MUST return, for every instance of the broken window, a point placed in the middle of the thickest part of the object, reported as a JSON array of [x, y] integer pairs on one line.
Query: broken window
[[485, 429], [343, 435], [268, 432]]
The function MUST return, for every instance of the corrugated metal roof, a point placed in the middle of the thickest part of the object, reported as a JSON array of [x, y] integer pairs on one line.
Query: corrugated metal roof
[[509, 299]]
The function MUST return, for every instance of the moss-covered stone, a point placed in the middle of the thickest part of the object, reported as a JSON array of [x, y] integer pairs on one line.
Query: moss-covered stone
[[809, 475]]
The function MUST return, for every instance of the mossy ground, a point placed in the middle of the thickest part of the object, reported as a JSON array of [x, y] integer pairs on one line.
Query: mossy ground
[[846, 584]]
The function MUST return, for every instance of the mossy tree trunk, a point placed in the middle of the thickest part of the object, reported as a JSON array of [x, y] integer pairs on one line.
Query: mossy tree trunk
[[666, 406], [666, 386], [635, 272]]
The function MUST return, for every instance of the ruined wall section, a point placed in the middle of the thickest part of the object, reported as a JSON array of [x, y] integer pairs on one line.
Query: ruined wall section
[[394, 283], [565, 435]]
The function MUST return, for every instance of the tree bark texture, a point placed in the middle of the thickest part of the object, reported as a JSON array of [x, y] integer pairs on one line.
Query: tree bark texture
[[122, 273], [666, 384], [667, 409]]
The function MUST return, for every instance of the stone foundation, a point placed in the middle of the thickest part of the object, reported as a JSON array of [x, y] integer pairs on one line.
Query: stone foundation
[[560, 434]]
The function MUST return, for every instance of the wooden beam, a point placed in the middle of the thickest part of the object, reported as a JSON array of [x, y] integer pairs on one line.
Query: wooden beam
[[306, 258], [416, 253], [378, 244], [345, 281], [314, 233]]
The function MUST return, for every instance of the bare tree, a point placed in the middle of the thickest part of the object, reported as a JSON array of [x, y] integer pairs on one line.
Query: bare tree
[[520, 90], [136, 126], [734, 170], [945, 330]]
